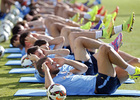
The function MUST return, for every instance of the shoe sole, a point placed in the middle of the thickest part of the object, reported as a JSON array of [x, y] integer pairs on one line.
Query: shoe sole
[[131, 23]]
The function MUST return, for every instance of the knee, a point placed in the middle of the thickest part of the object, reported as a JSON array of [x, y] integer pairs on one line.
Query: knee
[[105, 48], [63, 31], [137, 60], [78, 41]]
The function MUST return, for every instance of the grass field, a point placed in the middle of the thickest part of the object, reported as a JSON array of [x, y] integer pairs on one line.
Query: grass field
[[131, 44]]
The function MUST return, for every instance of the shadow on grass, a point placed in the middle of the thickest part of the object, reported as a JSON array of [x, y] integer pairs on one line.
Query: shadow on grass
[[21, 98], [17, 85], [7, 75]]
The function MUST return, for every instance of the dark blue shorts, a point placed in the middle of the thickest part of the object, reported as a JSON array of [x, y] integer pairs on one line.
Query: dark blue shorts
[[92, 66], [106, 84]]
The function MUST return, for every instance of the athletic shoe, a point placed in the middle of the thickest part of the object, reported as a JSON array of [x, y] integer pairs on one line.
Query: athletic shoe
[[99, 25], [136, 75], [81, 21], [128, 25], [116, 10], [107, 31], [81, 7], [86, 3], [108, 18], [100, 10], [104, 13], [86, 26], [75, 18], [117, 42], [93, 13]]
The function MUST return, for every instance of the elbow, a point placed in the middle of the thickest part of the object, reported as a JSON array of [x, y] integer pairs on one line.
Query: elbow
[[67, 51], [85, 69], [62, 39], [46, 86]]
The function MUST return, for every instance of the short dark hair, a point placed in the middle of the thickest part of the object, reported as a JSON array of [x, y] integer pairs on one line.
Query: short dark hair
[[16, 29], [22, 38], [39, 66], [13, 38], [36, 17], [32, 12], [39, 42], [32, 50], [22, 23]]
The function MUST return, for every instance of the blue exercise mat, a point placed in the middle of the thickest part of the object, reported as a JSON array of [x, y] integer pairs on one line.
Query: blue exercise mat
[[13, 63], [22, 70], [11, 56], [12, 50], [30, 80], [129, 81], [39, 92]]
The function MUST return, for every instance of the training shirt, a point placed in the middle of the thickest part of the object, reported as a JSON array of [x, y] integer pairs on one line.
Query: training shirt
[[76, 84]]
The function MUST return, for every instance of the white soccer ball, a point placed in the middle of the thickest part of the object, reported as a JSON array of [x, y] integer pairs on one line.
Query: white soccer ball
[[15, 12], [1, 51], [6, 28], [17, 19], [26, 62], [10, 17], [56, 92], [8, 23], [3, 35]]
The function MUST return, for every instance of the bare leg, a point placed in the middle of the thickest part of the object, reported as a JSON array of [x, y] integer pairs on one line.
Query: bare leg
[[55, 29], [80, 44], [66, 31], [74, 35]]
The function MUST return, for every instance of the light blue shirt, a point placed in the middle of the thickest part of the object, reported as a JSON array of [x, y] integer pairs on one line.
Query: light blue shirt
[[76, 84]]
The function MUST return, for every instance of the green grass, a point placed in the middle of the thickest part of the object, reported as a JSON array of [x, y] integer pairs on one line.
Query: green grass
[[131, 44]]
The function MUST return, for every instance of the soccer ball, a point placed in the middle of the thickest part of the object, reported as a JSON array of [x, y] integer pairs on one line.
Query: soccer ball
[[17, 19], [6, 28], [26, 62], [10, 17], [1, 51], [3, 35], [15, 11], [56, 92], [8, 23]]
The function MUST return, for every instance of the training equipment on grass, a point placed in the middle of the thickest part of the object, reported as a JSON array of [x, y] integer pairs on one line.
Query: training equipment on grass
[[3, 35], [39, 92], [35, 80], [8, 23], [6, 28], [17, 19], [22, 71], [1, 51], [10, 17], [30, 80], [12, 50], [11, 56], [56, 92], [15, 12], [13, 63], [26, 62]]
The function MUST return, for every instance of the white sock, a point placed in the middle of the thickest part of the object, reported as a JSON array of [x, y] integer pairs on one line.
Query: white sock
[[102, 17], [89, 9], [87, 16], [130, 69], [118, 29], [98, 34]]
